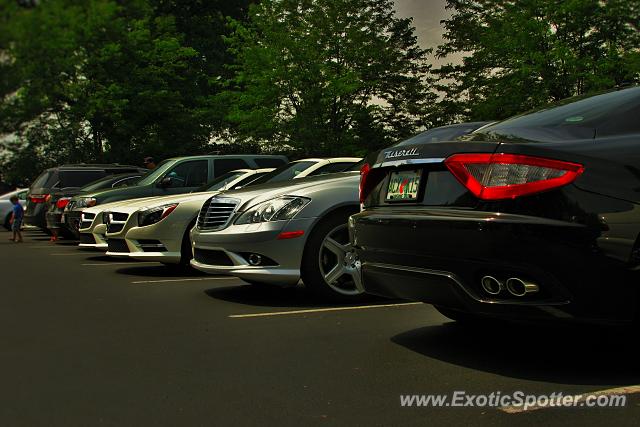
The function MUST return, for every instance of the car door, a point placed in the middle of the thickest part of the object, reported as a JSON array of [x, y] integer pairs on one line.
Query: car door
[[184, 177]]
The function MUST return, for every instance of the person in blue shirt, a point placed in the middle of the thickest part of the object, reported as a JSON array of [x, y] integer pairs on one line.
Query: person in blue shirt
[[16, 219]]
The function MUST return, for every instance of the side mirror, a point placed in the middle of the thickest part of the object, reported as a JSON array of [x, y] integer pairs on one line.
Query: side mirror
[[165, 182]]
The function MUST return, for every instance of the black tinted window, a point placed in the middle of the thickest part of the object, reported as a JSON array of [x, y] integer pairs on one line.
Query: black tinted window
[[78, 178], [269, 162], [331, 168], [188, 174], [222, 166], [47, 179]]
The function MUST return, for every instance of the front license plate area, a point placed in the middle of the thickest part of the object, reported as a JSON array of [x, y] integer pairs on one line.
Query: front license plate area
[[404, 186]]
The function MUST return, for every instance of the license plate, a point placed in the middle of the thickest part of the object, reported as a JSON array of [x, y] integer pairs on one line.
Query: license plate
[[404, 186]]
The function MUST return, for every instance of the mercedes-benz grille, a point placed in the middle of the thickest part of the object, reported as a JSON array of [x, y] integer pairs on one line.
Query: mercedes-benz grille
[[216, 213]]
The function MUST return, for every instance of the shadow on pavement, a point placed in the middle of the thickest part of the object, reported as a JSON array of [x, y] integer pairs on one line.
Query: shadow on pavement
[[106, 258], [274, 296], [160, 270], [574, 354]]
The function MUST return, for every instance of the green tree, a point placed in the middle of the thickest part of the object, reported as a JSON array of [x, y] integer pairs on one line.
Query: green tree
[[106, 80], [326, 77], [521, 54]]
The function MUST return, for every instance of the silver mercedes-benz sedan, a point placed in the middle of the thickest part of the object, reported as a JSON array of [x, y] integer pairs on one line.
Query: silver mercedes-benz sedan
[[279, 234]]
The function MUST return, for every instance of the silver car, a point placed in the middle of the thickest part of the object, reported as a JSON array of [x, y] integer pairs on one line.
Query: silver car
[[279, 234], [6, 207]]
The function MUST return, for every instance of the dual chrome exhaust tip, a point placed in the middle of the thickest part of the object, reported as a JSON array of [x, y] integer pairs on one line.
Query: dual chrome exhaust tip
[[514, 285]]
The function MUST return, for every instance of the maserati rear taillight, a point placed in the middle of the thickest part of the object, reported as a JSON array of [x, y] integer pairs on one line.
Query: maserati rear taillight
[[364, 174], [62, 202], [369, 178], [507, 176], [40, 198]]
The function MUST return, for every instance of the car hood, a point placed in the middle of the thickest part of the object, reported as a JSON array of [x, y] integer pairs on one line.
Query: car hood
[[303, 187], [151, 202], [113, 205]]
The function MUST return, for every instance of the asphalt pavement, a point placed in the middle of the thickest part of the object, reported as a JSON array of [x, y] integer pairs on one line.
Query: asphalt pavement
[[86, 340]]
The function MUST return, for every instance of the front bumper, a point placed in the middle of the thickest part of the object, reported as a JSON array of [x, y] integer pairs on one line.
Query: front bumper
[[439, 256], [228, 251], [95, 239], [71, 220]]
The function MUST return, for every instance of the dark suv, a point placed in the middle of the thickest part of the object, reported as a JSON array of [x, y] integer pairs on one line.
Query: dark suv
[[60, 200], [62, 177]]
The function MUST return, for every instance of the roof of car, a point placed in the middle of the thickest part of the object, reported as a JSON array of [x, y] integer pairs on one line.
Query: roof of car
[[96, 166]]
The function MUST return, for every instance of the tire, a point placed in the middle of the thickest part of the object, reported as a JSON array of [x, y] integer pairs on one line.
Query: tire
[[185, 249], [460, 316], [317, 260]]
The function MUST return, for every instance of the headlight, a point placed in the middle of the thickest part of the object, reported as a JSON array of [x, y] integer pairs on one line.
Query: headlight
[[86, 202], [278, 209], [149, 216]]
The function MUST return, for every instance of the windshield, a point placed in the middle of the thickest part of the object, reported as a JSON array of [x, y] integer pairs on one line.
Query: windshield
[[160, 170], [285, 172], [221, 182]]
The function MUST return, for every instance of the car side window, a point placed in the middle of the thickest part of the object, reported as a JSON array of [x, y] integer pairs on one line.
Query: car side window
[[222, 166], [188, 174], [22, 195]]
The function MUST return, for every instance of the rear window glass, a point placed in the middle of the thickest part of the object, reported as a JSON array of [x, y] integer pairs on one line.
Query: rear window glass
[[79, 178], [269, 162], [47, 179], [449, 133], [613, 113]]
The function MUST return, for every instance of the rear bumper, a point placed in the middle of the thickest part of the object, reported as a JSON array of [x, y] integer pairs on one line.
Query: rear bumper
[[439, 257], [54, 220], [36, 219]]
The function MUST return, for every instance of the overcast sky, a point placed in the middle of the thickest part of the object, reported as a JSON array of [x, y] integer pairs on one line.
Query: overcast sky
[[426, 15]]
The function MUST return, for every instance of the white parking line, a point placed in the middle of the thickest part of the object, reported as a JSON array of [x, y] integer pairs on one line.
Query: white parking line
[[580, 398], [108, 263], [320, 310], [185, 280]]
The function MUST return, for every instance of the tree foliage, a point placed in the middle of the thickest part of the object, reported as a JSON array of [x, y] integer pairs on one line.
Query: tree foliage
[[326, 77], [519, 54], [106, 80]]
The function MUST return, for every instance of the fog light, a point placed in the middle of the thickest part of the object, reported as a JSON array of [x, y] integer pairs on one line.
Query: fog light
[[255, 259]]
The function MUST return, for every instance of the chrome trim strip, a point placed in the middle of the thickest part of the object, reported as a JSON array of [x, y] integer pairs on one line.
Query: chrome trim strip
[[395, 163]]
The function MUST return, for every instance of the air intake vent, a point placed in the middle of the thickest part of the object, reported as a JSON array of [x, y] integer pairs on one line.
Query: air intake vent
[[216, 213]]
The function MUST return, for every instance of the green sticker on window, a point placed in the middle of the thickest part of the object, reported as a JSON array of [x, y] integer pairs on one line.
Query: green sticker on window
[[574, 119]]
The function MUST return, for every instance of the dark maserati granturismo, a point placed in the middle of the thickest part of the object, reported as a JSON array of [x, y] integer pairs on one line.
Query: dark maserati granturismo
[[532, 218]]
